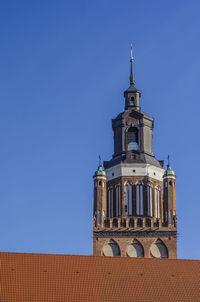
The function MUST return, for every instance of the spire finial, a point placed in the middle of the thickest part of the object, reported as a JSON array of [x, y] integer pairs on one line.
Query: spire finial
[[99, 160], [168, 160], [131, 60]]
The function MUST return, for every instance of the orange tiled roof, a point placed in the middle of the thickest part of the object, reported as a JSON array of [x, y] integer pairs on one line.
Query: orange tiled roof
[[62, 278]]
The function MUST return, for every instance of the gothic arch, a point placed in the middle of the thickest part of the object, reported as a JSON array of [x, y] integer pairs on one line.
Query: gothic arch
[[111, 249], [135, 249], [158, 249]]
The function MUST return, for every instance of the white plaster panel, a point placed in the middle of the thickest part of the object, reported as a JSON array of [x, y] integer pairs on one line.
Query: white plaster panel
[[140, 170], [171, 176]]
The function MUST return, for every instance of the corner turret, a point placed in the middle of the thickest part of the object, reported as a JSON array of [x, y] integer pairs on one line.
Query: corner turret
[[99, 211], [169, 197]]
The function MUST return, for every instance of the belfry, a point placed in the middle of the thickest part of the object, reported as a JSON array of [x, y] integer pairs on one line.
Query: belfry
[[134, 212]]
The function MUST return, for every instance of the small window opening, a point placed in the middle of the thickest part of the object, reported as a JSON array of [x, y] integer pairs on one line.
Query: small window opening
[[100, 185], [99, 217], [132, 101], [170, 217], [132, 138], [133, 146]]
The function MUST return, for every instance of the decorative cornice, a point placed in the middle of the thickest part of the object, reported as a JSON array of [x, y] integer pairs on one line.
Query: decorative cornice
[[115, 234]]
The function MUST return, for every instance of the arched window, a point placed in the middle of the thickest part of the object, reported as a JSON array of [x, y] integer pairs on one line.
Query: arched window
[[132, 101], [100, 184], [132, 138], [110, 202], [128, 199], [135, 249], [170, 184], [111, 249], [149, 200], [159, 250], [157, 202], [118, 200], [139, 198]]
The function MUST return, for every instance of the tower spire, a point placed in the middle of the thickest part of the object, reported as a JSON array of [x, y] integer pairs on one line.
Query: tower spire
[[168, 160], [131, 61]]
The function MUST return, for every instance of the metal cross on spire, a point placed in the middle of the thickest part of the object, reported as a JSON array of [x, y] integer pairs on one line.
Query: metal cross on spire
[[131, 60]]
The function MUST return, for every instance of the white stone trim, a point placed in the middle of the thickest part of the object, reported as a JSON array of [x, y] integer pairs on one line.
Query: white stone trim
[[169, 177], [99, 177], [141, 169]]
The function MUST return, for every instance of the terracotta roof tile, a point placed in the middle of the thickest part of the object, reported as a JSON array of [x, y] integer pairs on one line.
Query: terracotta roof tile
[[63, 278]]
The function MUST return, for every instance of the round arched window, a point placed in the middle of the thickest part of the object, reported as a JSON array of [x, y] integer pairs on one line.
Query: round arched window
[[159, 250], [111, 249], [135, 250]]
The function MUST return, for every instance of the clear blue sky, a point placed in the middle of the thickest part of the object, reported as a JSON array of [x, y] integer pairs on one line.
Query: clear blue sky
[[63, 68]]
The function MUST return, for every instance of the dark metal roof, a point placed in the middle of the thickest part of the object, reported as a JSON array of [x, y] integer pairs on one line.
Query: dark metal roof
[[143, 158], [131, 89]]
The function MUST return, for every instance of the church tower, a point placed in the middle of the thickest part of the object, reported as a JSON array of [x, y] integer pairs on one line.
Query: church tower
[[134, 197]]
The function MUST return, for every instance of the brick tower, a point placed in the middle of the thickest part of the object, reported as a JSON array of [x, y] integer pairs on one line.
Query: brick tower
[[134, 197]]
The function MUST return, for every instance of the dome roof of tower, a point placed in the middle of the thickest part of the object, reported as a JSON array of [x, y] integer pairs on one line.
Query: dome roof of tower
[[100, 171], [169, 171]]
